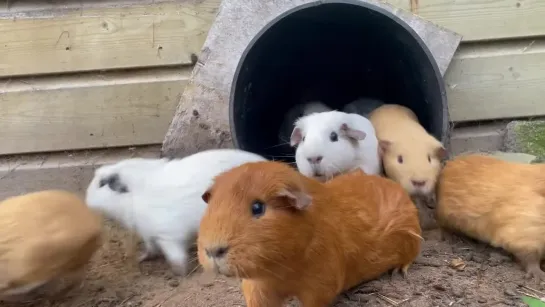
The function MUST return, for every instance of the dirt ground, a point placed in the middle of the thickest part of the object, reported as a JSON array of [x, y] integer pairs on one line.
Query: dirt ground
[[489, 278]]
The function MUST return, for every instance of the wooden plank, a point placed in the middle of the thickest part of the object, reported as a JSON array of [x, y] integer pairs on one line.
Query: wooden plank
[[482, 19], [88, 111], [91, 38], [69, 171], [497, 80]]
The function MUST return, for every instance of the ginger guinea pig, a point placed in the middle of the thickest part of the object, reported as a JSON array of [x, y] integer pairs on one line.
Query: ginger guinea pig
[[46, 240], [497, 202], [287, 235], [410, 155]]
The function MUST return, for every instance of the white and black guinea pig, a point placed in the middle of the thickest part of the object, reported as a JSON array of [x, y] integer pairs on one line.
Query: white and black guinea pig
[[161, 199], [334, 142]]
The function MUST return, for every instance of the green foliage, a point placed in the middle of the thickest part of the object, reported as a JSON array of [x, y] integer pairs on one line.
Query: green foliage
[[533, 302]]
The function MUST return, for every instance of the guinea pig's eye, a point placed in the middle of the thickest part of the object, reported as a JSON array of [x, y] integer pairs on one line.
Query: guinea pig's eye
[[303, 139], [400, 159], [333, 136], [258, 209], [429, 158]]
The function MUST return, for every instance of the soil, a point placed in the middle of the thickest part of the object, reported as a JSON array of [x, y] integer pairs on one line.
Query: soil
[[483, 277]]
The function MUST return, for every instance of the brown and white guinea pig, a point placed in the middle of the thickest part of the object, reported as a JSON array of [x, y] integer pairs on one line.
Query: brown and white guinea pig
[[46, 240], [498, 202], [410, 155], [287, 235]]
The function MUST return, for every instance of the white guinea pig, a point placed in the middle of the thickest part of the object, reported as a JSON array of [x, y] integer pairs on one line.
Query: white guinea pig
[[161, 199], [297, 111], [334, 142]]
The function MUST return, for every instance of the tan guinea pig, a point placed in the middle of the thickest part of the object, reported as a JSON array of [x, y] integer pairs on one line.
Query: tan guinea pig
[[287, 235], [498, 202], [46, 240], [410, 156]]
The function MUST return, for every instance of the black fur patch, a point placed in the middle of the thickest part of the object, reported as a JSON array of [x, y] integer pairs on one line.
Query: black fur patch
[[114, 183]]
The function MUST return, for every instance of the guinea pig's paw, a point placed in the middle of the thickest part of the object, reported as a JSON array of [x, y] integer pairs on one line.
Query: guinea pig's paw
[[147, 256], [179, 269], [151, 252], [176, 256], [534, 271]]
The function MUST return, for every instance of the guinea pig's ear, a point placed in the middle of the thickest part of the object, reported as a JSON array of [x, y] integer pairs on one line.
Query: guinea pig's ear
[[297, 199], [441, 152], [383, 146], [206, 196], [355, 134], [296, 136]]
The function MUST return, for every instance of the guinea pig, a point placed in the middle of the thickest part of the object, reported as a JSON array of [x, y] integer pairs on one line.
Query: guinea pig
[[47, 239], [410, 155], [160, 199], [363, 106], [287, 235], [497, 202], [334, 142], [294, 113]]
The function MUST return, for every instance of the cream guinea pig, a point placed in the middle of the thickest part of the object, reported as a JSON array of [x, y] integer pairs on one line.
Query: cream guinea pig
[[287, 235], [161, 199], [47, 239], [410, 155], [331, 143], [497, 202]]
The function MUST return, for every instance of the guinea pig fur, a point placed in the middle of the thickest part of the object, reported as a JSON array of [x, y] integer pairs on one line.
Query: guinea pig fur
[[46, 241], [160, 199], [287, 235], [498, 202], [294, 113], [410, 155], [334, 142], [363, 106]]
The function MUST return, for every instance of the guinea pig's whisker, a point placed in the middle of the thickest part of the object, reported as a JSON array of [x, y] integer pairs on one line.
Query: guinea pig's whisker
[[193, 271], [278, 263], [281, 144], [286, 156]]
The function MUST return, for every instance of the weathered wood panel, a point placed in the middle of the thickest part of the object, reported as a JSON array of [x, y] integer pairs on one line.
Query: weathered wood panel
[[88, 111], [135, 35], [482, 19], [497, 80], [69, 171], [166, 33]]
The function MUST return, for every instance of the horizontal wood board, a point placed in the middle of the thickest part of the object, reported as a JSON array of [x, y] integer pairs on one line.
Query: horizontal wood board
[[497, 80], [86, 37], [88, 111], [100, 38], [480, 20]]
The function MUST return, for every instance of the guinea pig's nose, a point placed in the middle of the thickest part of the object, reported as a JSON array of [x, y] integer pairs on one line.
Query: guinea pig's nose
[[419, 183], [315, 160], [217, 252]]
